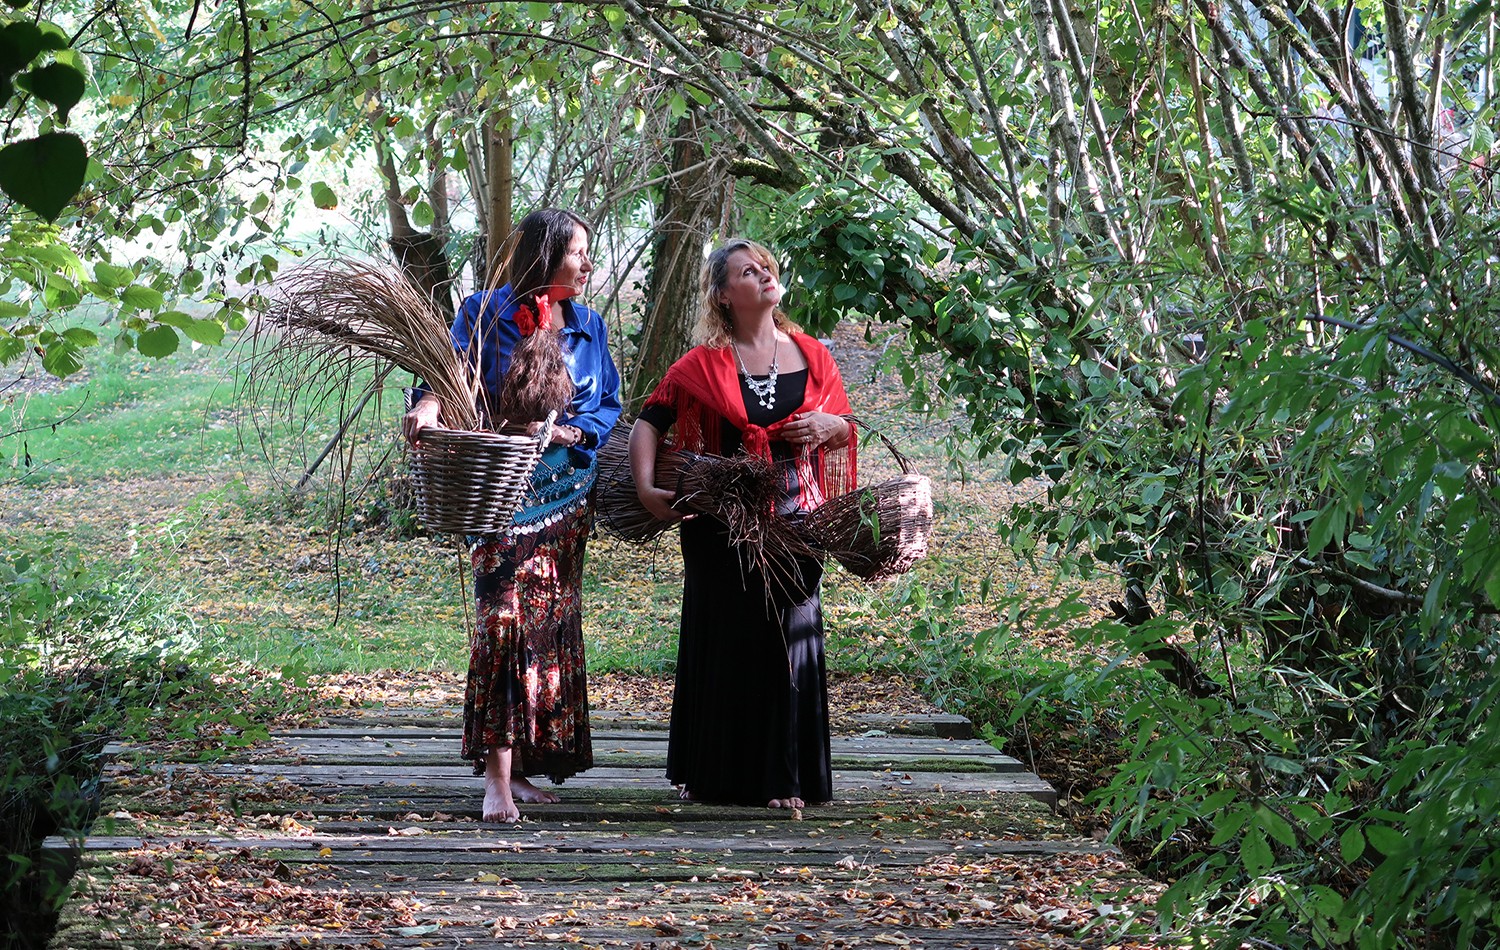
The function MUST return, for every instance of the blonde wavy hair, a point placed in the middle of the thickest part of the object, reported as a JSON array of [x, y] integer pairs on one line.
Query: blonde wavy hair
[[715, 322]]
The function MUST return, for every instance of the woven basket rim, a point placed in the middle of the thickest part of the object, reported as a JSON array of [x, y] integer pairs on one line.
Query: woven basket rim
[[444, 434]]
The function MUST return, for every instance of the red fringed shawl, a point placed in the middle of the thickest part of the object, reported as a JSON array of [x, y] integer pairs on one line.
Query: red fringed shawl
[[703, 388]]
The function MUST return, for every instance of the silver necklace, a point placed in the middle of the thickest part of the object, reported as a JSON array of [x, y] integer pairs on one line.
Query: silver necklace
[[765, 392]]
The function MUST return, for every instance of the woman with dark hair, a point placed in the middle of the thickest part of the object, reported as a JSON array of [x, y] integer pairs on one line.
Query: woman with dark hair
[[750, 708], [526, 708]]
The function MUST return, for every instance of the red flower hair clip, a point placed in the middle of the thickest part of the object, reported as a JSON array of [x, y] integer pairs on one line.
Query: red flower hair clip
[[528, 320]]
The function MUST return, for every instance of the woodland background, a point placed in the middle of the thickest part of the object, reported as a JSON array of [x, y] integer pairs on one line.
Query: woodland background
[[1214, 278]]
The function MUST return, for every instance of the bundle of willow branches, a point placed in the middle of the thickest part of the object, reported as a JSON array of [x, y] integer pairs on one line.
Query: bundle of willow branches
[[875, 532], [351, 309], [739, 490], [619, 509]]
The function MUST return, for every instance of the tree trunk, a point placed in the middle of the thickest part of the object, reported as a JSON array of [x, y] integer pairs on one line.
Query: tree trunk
[[423, 257], [499, 164], [696, 192]]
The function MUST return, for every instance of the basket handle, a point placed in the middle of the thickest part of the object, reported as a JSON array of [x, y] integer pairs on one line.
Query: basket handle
[[897, 454], [544, 434]]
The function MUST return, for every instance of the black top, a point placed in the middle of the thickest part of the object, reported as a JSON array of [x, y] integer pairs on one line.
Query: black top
[[791, 389]]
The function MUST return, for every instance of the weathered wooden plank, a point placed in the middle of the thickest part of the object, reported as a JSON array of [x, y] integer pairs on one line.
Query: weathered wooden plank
[[630, 739], [560, 847], [995, 815], [336, 741], [847, 784], [944, 725], [686, 913], [386, 829], [650, 760], [527, 932]]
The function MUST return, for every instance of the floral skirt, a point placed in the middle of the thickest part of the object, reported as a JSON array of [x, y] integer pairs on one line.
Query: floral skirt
[[527, 686]]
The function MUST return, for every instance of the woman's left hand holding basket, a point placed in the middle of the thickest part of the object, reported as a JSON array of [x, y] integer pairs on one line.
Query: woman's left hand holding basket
[[423, 415]]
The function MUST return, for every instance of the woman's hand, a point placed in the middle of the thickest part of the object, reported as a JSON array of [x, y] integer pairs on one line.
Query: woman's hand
[[567, 435], [813, 429], [658, 501], [564, 435], [423, 415], [644, 439]]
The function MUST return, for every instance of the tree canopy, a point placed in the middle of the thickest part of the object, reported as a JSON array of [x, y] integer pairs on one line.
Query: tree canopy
[[1219, 274]]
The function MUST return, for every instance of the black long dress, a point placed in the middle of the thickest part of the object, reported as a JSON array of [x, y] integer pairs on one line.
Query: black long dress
[[750, 707]]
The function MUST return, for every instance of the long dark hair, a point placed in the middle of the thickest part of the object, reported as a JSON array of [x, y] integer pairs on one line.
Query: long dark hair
[[538, 382], [542, 242]]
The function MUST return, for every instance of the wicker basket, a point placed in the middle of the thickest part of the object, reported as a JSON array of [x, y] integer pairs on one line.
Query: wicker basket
[[473, 482], [876, 532]]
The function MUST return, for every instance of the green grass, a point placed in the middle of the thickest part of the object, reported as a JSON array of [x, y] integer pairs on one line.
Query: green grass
[[129, 417], [255, 563], [125, 418]]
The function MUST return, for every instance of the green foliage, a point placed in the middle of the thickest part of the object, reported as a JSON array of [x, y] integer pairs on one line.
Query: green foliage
[[126, 418], [42, 172], [1260, 390], [1237, 317], [86, 657]]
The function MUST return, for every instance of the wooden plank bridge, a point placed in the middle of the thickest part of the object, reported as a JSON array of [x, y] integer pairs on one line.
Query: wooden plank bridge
[[364, 832]]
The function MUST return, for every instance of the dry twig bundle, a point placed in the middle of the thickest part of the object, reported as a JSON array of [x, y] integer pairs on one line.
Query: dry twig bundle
[[351, 309], [876, 532], [468, 479], [619, 509], [739, 490]]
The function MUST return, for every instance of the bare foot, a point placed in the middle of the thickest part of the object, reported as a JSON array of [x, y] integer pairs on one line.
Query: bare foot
[[499, 807], [685, 795], [785, 803], [530, 794]]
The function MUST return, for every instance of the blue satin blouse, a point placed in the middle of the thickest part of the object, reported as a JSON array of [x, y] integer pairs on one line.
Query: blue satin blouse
[[488, 316]]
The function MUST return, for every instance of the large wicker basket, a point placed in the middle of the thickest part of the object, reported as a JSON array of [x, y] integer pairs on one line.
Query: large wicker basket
[[473, 482]]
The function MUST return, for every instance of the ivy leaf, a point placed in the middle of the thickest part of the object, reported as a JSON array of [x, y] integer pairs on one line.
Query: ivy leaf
[[44, 173], [1277, 827], [1352, 844], [81, 336], [142, 298], [207, 332], [1387, 840], [11, 346], [175, 318], [1471, 15], [1255, 851], [1492, 585], [58, 83], [113, 276], [19, 45], [1153, 493], [157, 342]]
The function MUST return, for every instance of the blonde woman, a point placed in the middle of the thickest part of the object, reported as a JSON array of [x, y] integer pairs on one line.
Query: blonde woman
[[750, 707]]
